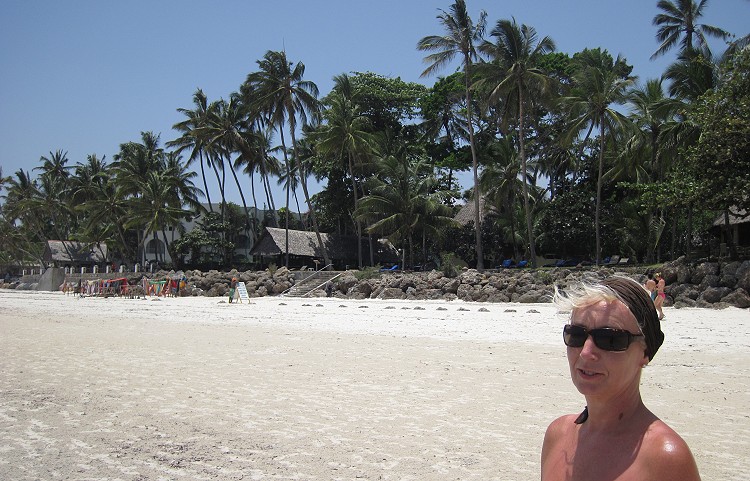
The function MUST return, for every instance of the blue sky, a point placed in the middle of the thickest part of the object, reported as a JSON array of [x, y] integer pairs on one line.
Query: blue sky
[[84, 76]]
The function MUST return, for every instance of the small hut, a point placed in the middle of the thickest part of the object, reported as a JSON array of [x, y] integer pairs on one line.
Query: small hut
[[738, 229], [304, 250]]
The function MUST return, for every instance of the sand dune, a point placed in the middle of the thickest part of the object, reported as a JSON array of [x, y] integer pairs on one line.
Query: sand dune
[[327, 389]]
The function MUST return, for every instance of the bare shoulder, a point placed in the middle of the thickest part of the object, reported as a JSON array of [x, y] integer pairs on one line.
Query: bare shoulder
[[668, 454], [561, 425], [558, 430]]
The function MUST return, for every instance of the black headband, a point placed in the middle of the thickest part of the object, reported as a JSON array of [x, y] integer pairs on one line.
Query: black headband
[[640, 304]]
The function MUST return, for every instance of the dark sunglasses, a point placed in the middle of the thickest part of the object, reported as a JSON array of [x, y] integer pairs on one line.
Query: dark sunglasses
[[605, 338]]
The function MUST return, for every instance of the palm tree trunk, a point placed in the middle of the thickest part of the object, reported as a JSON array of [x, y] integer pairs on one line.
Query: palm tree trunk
[[286, 217], [475, 168], [599, 193], [242, 196], [255, 207], [356, 204], [527, 210], [205, 183]]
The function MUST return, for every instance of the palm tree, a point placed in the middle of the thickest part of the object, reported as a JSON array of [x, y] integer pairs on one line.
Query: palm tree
[[345, 135], [678, 22], [518, 54], [227, 131], [461, 37], [260, 160], [158, 207], [135, 161], [280, 92], [599, 83], [191, 137], [108, 209], [652, 113], [404, 202], [501, 183]]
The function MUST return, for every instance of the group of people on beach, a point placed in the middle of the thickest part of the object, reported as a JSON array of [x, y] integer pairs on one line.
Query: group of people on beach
[[612, 334]]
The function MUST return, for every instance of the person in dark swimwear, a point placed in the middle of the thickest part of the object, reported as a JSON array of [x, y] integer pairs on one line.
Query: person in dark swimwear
[[614, 332]]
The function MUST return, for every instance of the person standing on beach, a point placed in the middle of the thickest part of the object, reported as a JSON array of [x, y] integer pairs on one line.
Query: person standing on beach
[[651, 287], [232, 287], [614, 332], [660, 294]]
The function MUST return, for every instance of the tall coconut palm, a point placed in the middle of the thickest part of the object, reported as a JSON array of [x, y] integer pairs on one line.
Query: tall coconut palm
[[280, 91], [191, 137], [133, 163], [461, 37], [260, 160], [226, 132], [345, 135], [518, 52], [678, 23], [600, 83]]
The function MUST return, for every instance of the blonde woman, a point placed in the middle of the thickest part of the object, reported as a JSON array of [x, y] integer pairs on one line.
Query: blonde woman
[[614, 332]]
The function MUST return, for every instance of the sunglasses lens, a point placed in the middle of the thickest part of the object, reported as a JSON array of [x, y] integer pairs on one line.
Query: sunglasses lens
[[574, 336], [611, 340]]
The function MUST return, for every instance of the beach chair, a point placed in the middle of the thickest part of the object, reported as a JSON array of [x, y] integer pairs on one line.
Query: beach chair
[[392, 268], [624, 260], [613, 260], [507, 263], [522, 264]]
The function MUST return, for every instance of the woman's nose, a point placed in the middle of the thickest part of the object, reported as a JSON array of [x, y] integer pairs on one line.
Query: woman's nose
[[589, 349]]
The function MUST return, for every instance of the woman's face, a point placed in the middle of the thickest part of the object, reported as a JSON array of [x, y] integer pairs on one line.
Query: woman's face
[[605, 374]]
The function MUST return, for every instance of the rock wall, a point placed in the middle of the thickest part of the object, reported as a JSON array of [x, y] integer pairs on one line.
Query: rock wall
[[707, 284]]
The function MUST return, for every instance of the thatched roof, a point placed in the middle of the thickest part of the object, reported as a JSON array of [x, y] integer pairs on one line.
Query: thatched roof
[[72, 252], [305, 244], [466, 214], [740, 216]]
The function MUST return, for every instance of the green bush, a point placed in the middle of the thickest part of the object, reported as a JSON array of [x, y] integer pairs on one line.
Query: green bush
[[451, 265], [367, 272]]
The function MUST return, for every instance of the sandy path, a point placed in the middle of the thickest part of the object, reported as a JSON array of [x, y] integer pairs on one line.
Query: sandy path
[[325, 389]]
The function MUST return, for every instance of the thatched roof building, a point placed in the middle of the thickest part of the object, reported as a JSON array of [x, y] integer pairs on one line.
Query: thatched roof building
[[465, 215], [75, 254], [304, 248], [739, 227]]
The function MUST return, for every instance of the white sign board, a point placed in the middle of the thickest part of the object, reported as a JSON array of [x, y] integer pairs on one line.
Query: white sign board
[[242, 291]]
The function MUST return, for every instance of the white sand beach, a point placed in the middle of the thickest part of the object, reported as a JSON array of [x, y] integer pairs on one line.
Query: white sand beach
[[329, 389]]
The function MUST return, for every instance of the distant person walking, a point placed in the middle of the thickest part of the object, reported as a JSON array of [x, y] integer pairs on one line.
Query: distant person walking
[[232, 287], [660, 294]]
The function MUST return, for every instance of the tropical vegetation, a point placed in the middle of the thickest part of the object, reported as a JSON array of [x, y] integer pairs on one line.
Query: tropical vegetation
[[572, 156]]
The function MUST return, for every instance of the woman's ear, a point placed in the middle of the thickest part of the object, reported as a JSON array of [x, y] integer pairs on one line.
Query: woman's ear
[[645, 360]]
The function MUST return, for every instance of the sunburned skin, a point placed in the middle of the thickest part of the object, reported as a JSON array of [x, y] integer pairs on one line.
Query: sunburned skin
[[619, 439]]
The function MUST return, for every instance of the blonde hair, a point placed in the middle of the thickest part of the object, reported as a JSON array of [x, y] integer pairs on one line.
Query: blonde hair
[[589, 291], [624, 289]]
